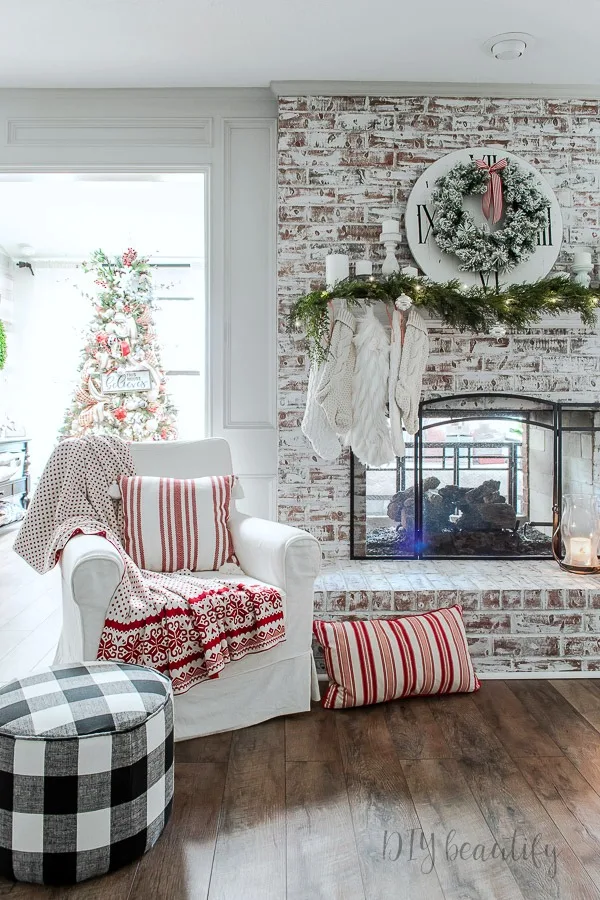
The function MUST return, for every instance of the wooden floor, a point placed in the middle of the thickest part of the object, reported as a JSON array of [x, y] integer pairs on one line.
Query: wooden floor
[[493, 795]]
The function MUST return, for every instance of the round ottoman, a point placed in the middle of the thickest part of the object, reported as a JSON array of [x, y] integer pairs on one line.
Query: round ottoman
[[86, 770]]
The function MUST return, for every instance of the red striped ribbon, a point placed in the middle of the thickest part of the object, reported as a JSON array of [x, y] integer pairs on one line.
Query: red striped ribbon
[[492, 199]]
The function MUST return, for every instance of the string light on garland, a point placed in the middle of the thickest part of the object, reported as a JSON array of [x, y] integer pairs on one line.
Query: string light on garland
[[476, 309]]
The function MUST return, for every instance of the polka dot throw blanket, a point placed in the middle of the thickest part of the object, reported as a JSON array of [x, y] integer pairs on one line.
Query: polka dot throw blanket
[[187, 628]]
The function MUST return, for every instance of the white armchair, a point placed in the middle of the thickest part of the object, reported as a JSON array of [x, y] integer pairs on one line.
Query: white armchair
[[276, 682]]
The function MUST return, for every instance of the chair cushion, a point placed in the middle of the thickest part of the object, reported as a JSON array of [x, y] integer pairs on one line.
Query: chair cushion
[[172, 524], [370, 661]]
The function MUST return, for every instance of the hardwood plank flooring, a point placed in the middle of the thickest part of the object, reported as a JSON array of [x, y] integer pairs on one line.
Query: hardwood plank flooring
[[322, 860], [250, 854], [439, 798]]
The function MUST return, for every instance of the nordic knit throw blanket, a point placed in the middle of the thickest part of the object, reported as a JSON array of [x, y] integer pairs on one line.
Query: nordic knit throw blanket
[[187, 628]]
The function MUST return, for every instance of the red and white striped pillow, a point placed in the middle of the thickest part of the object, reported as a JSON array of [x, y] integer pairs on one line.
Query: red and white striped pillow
[[172, 524], [370, 661]]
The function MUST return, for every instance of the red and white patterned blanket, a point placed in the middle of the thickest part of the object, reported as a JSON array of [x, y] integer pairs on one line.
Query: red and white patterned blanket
[[183, 626]]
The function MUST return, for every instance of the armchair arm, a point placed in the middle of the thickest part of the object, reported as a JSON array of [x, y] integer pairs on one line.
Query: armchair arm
[[92, 569], [277, 554], [91, 572]]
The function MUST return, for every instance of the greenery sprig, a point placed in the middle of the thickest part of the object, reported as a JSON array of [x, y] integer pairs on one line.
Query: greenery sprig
[[2, 346], [475, 308]]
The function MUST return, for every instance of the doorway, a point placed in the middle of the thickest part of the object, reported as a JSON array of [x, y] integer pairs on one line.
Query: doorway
[[50, 224]]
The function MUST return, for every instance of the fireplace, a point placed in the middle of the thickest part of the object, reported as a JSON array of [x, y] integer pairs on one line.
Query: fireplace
[[482, 477]]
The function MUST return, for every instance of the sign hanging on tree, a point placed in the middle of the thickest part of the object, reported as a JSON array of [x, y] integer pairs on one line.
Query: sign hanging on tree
[[484, 216], [127, 381]]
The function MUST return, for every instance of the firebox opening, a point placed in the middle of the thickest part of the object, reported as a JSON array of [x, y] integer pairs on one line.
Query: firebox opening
[[481, 478]]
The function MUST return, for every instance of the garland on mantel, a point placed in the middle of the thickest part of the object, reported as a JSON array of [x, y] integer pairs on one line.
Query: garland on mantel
[[463, 308]]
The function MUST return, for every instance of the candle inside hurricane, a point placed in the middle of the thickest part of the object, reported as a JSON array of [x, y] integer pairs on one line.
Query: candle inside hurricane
[[580, 532], [580, 552]]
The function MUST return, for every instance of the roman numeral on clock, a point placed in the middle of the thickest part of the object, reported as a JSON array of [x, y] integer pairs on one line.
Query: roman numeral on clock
[[424, 222], [544, 238], [490, 158]]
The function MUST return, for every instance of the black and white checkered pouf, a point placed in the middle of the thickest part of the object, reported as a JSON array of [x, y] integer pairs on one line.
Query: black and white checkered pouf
[[86, 770]]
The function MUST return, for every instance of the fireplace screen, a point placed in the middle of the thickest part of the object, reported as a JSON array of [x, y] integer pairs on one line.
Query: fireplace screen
[[482, 477]]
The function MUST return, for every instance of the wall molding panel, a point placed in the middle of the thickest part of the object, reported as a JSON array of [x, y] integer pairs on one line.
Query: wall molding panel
[[250, 288], [107, 132]]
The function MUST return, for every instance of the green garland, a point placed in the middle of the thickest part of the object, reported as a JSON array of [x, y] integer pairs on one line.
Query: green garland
[[476, 309], [525, 214], [2, 346]]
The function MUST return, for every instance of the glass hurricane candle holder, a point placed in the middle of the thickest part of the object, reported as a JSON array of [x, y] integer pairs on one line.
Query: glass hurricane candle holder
[[580, 533]]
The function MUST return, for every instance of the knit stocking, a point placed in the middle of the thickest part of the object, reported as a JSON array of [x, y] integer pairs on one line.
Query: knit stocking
[[334, 392], [395, 356], [415, 353], [370, 435], [314, 424]]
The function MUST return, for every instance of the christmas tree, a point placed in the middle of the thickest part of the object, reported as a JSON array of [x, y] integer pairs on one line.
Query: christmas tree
[[122, 389]]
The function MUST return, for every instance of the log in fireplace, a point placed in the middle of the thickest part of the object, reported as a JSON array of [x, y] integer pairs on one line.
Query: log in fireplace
[[482, 477]]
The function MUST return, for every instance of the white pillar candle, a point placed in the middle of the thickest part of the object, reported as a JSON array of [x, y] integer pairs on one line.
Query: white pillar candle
[[390, 226], [410, 271], [337, 267], [364, 267], [582, 258], [579, 552]]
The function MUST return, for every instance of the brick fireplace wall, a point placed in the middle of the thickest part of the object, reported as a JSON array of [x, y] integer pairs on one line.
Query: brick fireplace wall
[[347, 163]]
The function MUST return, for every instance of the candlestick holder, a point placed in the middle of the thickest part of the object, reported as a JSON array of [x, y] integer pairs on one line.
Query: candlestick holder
[[581, 272], [390, 240]]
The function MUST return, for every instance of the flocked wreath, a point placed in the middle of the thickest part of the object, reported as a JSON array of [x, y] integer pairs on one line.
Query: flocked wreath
[[478, 249]]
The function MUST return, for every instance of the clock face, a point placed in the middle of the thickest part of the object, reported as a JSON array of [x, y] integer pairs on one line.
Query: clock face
[[441, 266]]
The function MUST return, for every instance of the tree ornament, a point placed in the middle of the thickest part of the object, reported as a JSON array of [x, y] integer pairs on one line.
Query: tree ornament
[[504, 188]]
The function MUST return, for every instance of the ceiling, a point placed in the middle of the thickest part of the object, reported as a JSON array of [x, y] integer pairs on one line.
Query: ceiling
[[235, 43], [68, 216]]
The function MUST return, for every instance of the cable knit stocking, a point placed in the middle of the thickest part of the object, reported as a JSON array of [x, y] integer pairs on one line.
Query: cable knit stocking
[[395, 357], [314, 424], [415, 353], [370, 435], [334, 392]]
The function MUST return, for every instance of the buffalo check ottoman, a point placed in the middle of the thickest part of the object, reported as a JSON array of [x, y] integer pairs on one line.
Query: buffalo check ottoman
[[86, 770]]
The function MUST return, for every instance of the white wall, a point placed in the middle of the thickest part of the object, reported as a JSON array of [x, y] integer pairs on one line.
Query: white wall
[[50, 320], [230, 135]]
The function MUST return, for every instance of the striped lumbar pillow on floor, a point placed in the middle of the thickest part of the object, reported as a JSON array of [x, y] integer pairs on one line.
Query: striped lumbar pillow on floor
[[172, 524], [369, 661]]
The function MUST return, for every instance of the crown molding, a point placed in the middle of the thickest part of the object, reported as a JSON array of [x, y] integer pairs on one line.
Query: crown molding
[[180, 93], [435, 89]]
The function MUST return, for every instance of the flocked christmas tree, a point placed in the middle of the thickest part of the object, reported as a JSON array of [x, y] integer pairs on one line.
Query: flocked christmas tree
[[122, 389]]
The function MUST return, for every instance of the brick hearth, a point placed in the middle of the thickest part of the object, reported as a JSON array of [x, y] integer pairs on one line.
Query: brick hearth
[[521, 616]]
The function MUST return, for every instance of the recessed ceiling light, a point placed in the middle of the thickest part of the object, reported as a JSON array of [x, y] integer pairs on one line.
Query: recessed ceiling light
[[511, 45]]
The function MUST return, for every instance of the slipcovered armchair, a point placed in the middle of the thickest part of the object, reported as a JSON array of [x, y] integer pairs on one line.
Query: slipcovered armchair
[[275, 682]]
